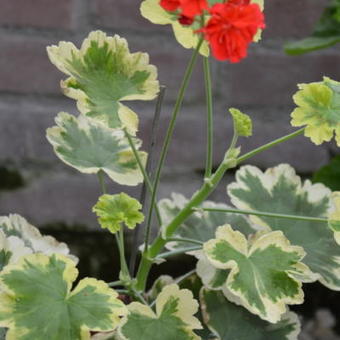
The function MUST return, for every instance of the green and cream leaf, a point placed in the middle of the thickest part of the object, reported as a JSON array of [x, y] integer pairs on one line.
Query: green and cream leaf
[[173, 319], [39, 286], [115, 210], [279, 190], [22, 238], [90, 146], [262, 270], [102, 74], [231, 322]]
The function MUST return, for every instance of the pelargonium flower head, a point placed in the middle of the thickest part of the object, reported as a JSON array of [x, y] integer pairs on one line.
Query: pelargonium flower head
[[170, 5], [232, 27], [318, 108]]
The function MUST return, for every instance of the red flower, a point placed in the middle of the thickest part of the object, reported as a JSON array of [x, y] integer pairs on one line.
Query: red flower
[[191, 8], [232, 28], [170, 5]]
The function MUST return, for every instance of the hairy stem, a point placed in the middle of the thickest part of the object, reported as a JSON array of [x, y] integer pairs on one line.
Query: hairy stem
[[168, 136], [266, 214], [210, 126], [145, 175]]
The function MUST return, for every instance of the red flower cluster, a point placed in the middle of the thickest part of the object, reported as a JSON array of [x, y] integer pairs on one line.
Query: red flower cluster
[[230, 29]]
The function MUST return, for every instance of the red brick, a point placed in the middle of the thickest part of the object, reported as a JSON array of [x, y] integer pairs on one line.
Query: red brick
[[122, 14], [270, 78], [25, 67], [37, 13], [292, 18]]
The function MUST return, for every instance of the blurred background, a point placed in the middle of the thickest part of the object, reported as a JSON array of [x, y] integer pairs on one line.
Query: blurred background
[[58, 199]]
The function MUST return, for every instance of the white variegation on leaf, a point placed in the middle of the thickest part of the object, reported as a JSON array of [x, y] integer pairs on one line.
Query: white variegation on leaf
[[260, 271], [334, 216], [37, 301], [22, 238], [173, 319], [103, 73], [201, 225], [279, 190], [230, 322], [90, 146], [11, 249]]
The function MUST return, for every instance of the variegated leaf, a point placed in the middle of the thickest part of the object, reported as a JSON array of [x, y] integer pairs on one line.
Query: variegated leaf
[[262, 270], [173, 319], [231, 322], [37, 301], [90, 146], [280, 190], [21, 238], [201, 225], [103, 73]]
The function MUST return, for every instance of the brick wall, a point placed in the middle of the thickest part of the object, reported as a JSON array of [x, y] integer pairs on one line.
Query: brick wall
[[261, 85]]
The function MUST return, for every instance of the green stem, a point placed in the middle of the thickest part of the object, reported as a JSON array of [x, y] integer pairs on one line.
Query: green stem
[[145, 175], [208, 187], [147, 257], [210, 126], [269, 145], [168, 137], [185, 276], [187, 240], [115, 284], [266, 214], [100, 175], [177, 252], [123, 265]]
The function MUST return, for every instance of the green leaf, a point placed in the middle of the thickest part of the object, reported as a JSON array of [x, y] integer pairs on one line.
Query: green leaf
[[329, 174], [115, 210], [173, 318], [90, 146], [280, 190], [326, 33], [102, 74], [201, 225], [231, 322], [37, 301], [318, 108], [262, 270], [242, 123], [21, 238], [334, 216]]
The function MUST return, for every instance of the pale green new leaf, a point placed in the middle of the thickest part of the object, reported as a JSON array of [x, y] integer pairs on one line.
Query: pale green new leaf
[[22, 238], [231, 322], [115, 210], [318, 108], [261, 276], [173, 318], [185, 35], [90, 146], [103, 73], [201, 225], [242, 123], [37, 301], [280, 190]]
